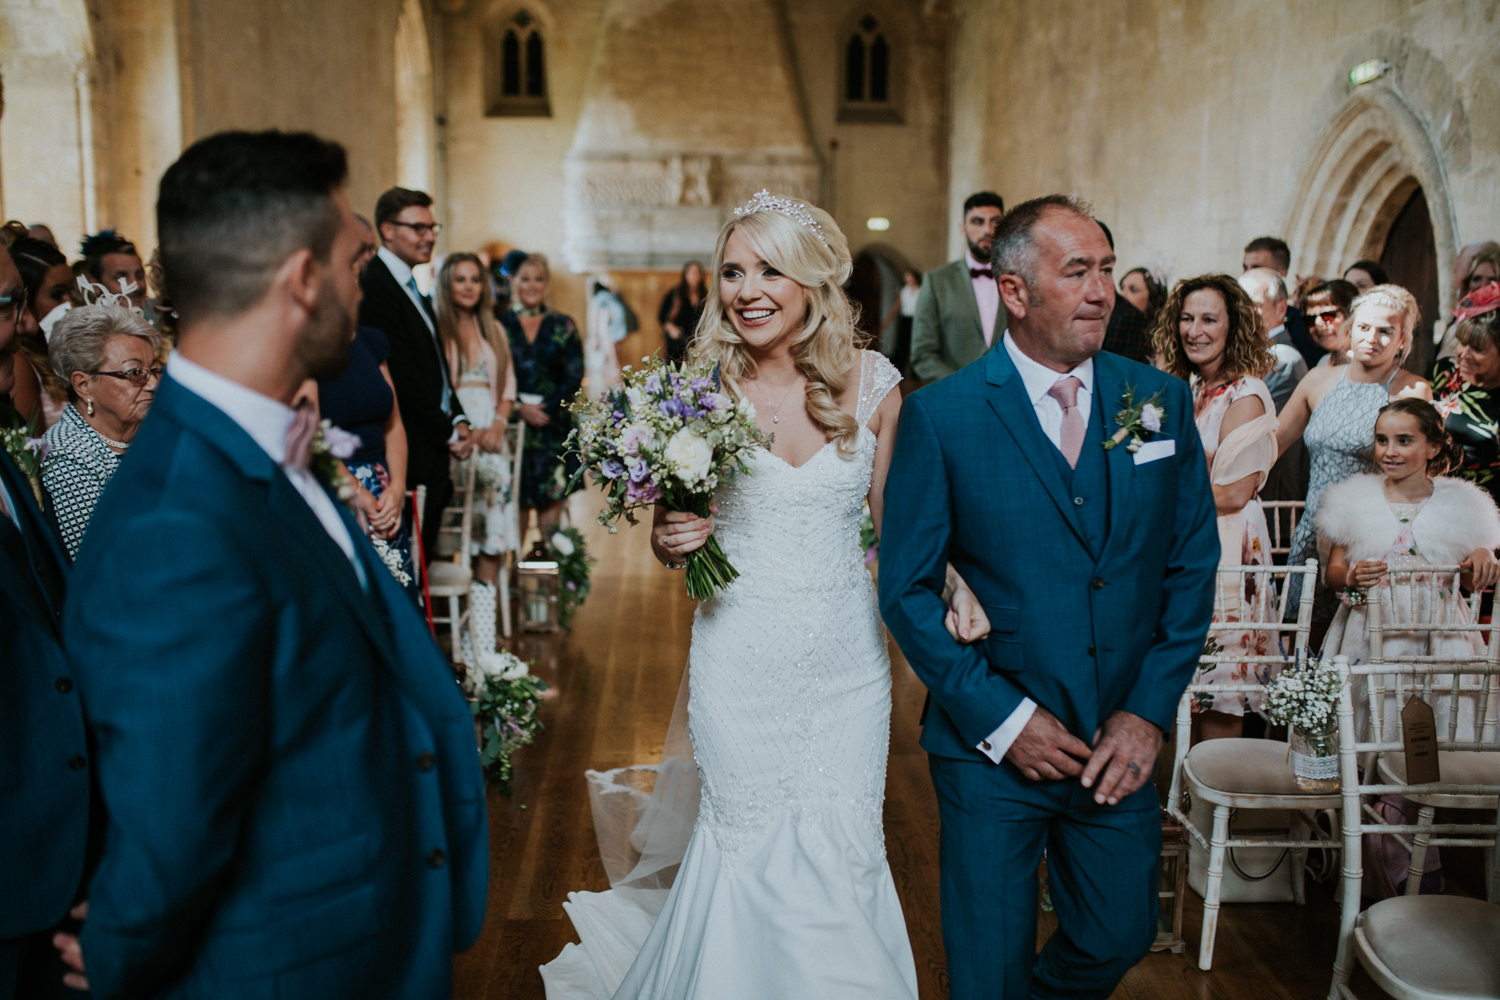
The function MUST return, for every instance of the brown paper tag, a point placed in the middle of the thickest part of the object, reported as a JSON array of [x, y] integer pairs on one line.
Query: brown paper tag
[[1419, 734]]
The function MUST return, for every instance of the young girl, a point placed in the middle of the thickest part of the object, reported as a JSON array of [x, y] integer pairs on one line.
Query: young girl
[[1407, 516]]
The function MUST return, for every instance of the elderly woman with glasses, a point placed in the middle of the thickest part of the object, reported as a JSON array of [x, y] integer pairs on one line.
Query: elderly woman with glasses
[[107, 355]]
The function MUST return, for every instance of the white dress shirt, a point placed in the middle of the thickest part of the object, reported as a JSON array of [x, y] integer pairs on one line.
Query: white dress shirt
[[1038, 380], [987, 295], [402, 272], [266, 421]]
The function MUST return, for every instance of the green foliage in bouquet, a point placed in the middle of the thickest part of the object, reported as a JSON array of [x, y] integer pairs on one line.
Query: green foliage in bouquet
[[504, 699], [27, 449], [566, 548]]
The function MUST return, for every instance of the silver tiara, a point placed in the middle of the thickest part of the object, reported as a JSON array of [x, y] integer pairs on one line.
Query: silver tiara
[[765, 201]]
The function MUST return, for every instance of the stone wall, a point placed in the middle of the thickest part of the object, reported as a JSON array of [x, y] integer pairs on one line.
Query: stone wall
[[1196, 125]]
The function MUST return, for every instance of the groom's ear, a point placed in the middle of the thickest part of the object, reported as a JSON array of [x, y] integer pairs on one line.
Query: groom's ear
[[1013, 293]]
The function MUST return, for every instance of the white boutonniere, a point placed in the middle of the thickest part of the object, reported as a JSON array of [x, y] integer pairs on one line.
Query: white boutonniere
[[1138, 422], [29, 452], [326, 454]]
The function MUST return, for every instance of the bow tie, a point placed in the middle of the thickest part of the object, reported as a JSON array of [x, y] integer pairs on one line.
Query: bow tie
[[981, 272]]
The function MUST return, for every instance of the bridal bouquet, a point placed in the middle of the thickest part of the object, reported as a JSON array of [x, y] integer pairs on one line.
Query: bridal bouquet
[[668, 435]]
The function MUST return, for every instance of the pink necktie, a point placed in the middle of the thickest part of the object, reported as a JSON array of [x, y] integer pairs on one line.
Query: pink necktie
[[1070, 441], [299, 437]]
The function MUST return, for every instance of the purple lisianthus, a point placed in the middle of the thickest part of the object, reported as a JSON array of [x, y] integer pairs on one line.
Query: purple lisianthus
[[612, 468], [635, 435], [40, 447], [639, 470], [341, 443], [647, 492], [701, 384], [653, 385]]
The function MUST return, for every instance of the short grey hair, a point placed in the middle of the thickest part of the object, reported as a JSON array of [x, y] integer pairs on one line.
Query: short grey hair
[[80, 337], [1270, 278], [1014, 251]]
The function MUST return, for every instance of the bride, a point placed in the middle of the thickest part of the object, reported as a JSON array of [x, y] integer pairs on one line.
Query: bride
[[783, 890]]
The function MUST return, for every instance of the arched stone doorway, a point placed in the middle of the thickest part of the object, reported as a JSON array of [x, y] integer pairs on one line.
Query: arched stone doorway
[[1374, 177], [873, 286]]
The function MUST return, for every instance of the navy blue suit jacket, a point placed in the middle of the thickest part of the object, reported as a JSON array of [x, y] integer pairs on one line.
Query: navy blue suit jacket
[[1082, 628], [293, 795], [44, 777]]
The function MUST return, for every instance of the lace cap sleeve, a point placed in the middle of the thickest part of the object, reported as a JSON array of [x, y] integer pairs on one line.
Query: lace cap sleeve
[[877, 377]]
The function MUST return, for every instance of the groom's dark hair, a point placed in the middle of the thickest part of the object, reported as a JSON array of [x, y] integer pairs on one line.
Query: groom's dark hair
[[1013, 251], [235, 205]]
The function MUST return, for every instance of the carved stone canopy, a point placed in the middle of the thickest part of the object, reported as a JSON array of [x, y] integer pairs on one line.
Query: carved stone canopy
[[692, 107]]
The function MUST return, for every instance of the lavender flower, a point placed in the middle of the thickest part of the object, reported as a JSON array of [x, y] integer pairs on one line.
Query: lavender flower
[[612, 468], [341, 443]]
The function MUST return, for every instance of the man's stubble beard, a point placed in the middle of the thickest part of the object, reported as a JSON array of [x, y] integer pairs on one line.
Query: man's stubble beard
[[325, 343]]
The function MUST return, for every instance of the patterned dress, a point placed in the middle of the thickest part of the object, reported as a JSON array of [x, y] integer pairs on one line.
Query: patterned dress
[[1244, 540], [551, 369], [496, 524], [1340, 439], [78, 468], [1472, 416]]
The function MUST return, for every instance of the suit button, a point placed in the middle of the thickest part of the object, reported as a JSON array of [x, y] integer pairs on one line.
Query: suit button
[[1091, 650], [77, 763], [63, 685], [1098, 583], [1078, 501], [437, 858], [425, 761]]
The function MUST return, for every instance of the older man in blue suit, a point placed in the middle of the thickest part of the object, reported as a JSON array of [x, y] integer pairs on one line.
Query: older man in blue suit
[[44, 764], [1095, 566], [293, 796]]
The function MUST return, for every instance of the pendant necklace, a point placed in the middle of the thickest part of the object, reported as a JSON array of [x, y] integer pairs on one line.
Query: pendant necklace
[[776, 410]]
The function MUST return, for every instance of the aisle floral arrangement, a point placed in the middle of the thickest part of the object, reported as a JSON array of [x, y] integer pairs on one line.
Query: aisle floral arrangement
[[566, 548], [668, 435], [504, 698], [1304, 698]]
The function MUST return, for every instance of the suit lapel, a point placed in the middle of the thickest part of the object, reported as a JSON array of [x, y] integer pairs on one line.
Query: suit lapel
[[1007, 396], [966, 308], [1109, 385]]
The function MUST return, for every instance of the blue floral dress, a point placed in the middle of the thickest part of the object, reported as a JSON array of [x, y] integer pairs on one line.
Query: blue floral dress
[[549, 368]]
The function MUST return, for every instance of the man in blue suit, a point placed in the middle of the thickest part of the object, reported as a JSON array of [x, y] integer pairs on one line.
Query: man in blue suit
[[294, 801], [44, 763], [1095, 566]]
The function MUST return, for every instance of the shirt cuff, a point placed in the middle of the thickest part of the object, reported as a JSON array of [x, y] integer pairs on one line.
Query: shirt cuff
[[1000, 740]]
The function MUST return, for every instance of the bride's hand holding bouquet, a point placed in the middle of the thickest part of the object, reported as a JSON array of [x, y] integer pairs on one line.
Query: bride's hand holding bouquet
[[668, 436]]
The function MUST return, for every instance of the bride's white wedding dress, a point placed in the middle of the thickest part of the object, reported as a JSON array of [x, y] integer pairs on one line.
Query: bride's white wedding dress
[[784, 890]]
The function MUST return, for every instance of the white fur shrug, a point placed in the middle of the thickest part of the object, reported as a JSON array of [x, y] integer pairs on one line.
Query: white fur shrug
[[1458, 519]]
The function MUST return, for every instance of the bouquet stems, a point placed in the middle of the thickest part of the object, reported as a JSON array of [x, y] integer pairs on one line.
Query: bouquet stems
[[708, 568]]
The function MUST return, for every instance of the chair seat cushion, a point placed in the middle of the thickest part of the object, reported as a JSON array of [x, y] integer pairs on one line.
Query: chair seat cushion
[[1456, 767], [1246, 767], [448, 576], [1445, 945]]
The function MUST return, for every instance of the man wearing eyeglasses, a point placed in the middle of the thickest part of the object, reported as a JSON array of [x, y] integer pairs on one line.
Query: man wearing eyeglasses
[[436, 427], [44, 756]]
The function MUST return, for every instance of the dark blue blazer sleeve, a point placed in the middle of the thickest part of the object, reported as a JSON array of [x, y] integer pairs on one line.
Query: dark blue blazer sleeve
[[1187, 586], [916, 531]]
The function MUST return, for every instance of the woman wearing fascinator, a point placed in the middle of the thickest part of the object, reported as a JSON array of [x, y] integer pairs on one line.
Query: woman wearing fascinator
[[772, 880]]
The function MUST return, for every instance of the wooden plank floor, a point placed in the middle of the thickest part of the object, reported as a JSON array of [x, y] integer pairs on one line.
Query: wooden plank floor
[[617, 676]]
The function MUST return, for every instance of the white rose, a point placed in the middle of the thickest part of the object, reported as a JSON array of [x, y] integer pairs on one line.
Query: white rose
[[562, 543], [689, 456], [636, 397]]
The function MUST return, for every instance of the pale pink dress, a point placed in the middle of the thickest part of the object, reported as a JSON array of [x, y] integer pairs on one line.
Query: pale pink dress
[[1244, 540]]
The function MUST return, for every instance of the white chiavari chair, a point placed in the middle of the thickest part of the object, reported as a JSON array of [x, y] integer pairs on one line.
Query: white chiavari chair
[[1417, 620], [1413, 947], [1281, 518], [515, 441], [1246, 774], [450, 576]]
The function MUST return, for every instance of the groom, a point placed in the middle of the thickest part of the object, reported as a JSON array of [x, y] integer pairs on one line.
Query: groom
[[1095, 568], [293, 800]]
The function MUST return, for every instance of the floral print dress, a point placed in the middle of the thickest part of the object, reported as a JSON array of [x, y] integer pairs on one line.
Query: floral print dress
[[1472, 415], [1244, 540], [550, 370]]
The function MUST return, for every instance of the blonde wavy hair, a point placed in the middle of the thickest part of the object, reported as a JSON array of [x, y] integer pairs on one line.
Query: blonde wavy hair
[[824, 350], [1399, 299], [1247, 349]]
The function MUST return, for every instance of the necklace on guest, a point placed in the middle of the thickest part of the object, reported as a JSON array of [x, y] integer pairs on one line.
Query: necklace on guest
[[122, 445], [530, 310]]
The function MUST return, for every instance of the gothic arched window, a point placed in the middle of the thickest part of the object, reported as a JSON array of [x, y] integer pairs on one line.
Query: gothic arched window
[[516, 68], [869, 73]]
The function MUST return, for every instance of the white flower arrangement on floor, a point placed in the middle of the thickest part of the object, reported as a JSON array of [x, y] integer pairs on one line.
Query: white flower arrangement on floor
[[504, 698]]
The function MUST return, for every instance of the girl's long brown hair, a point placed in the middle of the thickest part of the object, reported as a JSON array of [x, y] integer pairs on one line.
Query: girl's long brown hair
[[1450, 454], [484, 311]]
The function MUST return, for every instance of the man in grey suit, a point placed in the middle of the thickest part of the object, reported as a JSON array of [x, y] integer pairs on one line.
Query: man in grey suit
[[959, 316]]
